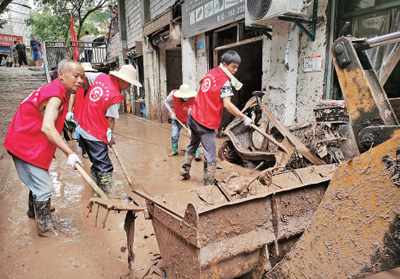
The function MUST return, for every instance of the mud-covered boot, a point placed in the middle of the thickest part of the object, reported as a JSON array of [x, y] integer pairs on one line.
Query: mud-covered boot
[[174, 149], [31, 210], [43, 218], [105, 183], [209, 173], [94, 175], [186, 165], [95, 178]]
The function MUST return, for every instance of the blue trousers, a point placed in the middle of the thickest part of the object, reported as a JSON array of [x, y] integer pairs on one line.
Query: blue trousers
[[176, 128]]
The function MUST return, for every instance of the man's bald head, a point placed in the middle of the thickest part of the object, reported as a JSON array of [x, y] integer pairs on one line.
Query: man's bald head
[[71, 75]]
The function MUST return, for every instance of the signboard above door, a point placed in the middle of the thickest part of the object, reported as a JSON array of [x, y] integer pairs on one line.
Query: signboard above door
[[199, 16]]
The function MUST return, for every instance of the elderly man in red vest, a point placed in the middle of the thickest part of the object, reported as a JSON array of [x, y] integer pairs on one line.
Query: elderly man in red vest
[[34, 135], [205, 116], [183, 100], [96, 120]]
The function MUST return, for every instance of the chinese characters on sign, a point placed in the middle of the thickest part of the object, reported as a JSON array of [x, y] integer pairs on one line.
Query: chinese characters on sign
[[312, 63], [202, 15], [8, 40]]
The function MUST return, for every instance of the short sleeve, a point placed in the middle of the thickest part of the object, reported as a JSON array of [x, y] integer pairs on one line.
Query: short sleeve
[[226, 90], [112, 111]]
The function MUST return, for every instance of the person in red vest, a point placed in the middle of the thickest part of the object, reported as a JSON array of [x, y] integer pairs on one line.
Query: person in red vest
[[34, 135], [205, 116], [96, 121], [183, 100]]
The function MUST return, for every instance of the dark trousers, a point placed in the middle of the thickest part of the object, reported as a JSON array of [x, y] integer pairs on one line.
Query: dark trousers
[[88, 55], [206, 136], [22, 58], [98, 155]]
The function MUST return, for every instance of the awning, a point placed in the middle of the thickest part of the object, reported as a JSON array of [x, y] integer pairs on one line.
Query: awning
[[4, 49]]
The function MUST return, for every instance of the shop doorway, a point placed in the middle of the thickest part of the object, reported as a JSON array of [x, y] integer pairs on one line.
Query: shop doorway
[[174, 75], [174, 69], [249, 73]]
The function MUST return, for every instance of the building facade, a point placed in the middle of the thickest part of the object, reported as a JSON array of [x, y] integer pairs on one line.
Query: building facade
[[15, 28], [174, 42]]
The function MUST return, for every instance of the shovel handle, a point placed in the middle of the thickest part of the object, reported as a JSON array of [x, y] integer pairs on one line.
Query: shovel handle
[[183, 125], [89, 180], [272, 139]]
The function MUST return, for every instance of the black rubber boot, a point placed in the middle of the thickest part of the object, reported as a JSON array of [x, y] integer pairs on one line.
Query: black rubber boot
[[106, 184], [31, 210], [186, 165], [43, 218], [209, 173]]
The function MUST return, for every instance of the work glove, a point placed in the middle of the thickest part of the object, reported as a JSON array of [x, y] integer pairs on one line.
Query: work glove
[[72, 160], [70, 116], [173, 115], [247, 121], [109, 135]]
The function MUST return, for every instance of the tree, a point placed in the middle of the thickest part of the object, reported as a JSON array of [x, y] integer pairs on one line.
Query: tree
[[3, 7], [54, 19], [81, 10]]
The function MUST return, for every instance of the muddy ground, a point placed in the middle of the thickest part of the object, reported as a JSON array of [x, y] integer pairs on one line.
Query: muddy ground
[[83, 250]]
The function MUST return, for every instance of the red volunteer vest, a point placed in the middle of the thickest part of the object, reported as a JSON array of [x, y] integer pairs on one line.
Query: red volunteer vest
[[92, 113], [24, 137], [208, 105], [79, 95], [181, 108]]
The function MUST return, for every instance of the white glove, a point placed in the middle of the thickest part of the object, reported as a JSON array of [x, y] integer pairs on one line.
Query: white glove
[[70, 116], [173, 115], [247, 121], [109, 135], [72, 160]]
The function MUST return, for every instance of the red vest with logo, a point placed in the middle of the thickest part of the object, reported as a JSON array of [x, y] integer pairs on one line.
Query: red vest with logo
[[181, 108], [24, 137], [92, 113], [208, 106]]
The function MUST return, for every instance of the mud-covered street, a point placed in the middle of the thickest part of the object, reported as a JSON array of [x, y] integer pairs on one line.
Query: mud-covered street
[[83, 250]]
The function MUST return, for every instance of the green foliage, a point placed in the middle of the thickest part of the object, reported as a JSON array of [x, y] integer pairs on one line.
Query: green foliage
[[48, 26], [54, 20]]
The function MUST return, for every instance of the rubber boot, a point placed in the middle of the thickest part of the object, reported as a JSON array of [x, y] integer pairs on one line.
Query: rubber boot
[[105, 183], [209, 173], [31, 210], [94, 175], [174, 149], [197, 158], [186, 165], [43, 218]]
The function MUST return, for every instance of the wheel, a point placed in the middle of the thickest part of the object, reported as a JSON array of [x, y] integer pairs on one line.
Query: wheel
[[227, 152]]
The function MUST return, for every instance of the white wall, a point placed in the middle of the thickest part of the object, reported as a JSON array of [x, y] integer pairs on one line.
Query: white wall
[[280, 84], [311, 85], [16, 20], [292, 95]]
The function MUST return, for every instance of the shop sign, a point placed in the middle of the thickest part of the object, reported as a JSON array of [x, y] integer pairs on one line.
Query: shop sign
[[199, 16], [312, 63], [8, 40]]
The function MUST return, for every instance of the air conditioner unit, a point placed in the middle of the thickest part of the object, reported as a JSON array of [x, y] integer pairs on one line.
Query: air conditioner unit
[[258, 12]]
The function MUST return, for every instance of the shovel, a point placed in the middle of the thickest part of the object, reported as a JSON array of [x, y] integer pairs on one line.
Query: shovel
[[113, 204]]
